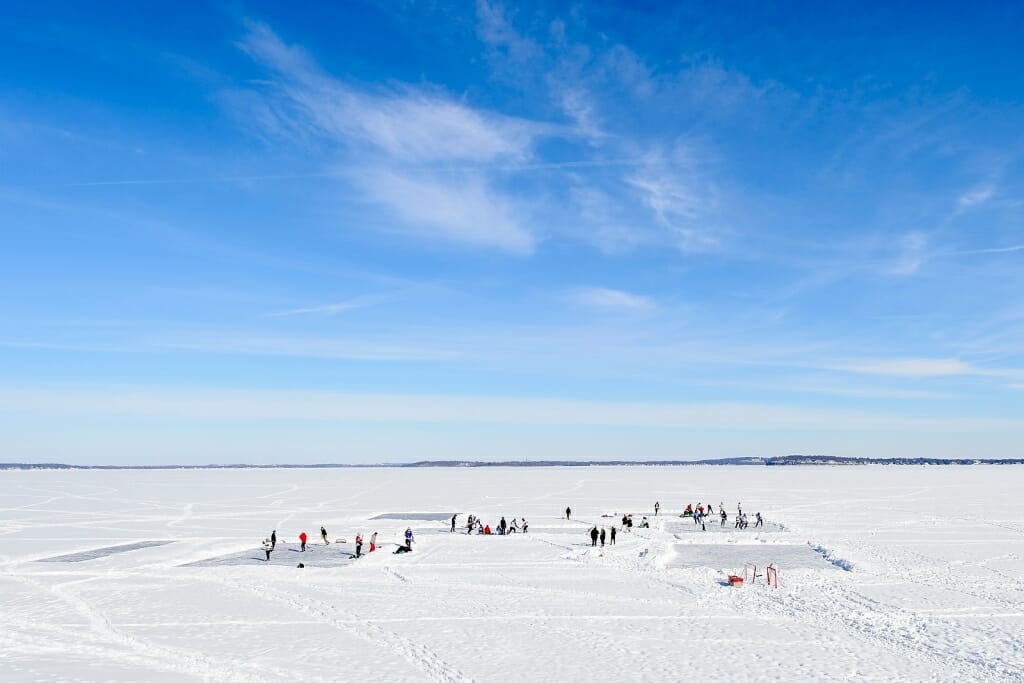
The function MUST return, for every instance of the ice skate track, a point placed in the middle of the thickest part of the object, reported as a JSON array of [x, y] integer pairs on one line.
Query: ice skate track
[[161, 657], [420, 656], [894, 629]]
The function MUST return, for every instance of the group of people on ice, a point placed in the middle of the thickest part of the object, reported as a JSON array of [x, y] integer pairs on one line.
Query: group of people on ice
[[270, 543], [700, 515], [598, 535], [502, 528], [742, 523], [595, 535]]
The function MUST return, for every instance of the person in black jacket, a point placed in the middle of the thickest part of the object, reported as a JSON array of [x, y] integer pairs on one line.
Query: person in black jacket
[[593, 537], [273, 539]]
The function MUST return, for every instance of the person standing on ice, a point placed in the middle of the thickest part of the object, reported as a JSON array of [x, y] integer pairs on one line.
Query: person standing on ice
[[359, 545], [526, 525], [602, 537], [760, 521], [273, 539], [593, 537], [503, 525], [323, 535], [408, 538], [657, 506], [267, 548], [302, 540], [723, 515], [568, 512], [373, 541], [611, 538], [453, 523]]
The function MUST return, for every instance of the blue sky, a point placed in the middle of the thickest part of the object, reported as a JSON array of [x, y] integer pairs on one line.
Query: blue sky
[[399, 231]]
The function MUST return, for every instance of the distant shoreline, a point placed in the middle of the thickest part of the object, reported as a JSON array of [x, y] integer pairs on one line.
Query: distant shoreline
[[781, 461]]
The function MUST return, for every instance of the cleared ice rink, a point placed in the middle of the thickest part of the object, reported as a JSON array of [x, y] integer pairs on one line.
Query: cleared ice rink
[[887, 573]]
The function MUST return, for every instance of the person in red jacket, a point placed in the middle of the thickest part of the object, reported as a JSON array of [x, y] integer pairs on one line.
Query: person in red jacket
[[302, 540], [359, 545]]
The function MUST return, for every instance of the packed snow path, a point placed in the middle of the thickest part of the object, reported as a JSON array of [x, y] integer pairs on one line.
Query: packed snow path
[[887, 574]]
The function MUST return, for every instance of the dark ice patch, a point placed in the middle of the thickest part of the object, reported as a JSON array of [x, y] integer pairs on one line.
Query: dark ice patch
[[103, 552], [334, 555], [418, 516]]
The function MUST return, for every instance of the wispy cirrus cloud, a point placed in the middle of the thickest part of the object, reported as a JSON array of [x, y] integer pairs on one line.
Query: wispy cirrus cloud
[[229, 404], [670, 186], [325, 309], [410, 124], [469, 212], [665, 197], [495, 30], [410, 133], [913, 253], [605, 298], [992, 250], [445, 170], [975, 197], [911, 367]]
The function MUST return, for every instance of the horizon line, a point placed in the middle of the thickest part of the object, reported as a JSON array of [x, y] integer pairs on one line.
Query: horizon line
[[728, 461]]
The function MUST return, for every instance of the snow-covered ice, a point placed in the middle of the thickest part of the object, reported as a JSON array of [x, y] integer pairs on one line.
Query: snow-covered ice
[[887, 574]]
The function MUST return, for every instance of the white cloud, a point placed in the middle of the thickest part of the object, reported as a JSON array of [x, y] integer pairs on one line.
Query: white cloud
[[494, 29], [610, 299], [326, 309], [249, 404], [467, 211], [464, 410], [975, 197], [384, 348], [426, 128], [678, 206], [913, 254], [407, 131], [410, 125], [911, 367], [992, 250], [578, 105]]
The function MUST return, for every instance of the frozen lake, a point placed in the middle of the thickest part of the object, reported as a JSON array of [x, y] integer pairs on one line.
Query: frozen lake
[[888, 574]]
